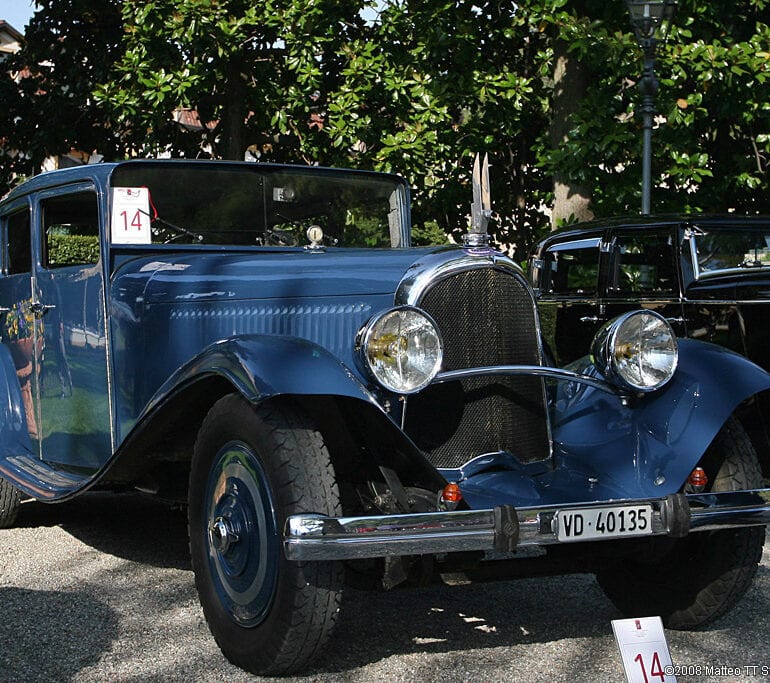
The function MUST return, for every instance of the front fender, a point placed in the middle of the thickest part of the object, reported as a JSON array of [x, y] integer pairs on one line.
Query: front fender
[[262, 367], [649, 446]]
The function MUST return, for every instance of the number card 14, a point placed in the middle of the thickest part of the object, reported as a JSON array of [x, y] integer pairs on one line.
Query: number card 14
[[643, 649], [131, 215]]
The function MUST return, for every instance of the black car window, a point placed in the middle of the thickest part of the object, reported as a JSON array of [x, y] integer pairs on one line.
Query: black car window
[[730, 248], [19, 244], [644, 263], [71, 228], [572, 267]]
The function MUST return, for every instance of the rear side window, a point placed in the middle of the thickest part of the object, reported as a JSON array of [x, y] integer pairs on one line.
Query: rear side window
[[572, 267]]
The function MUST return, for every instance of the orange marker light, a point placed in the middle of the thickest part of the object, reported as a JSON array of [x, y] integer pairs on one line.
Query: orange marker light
[[452, 493], [698, 477]]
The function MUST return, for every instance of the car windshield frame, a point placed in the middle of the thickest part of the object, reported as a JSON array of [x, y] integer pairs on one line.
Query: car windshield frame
[[232, 204]]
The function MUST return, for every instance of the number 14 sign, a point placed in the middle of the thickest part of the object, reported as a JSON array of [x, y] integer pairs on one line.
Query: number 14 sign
[[131, 215], [644, 650]]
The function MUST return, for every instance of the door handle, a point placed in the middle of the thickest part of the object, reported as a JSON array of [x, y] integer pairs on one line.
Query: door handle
[[680, 319], [39, 309], [591, 319]]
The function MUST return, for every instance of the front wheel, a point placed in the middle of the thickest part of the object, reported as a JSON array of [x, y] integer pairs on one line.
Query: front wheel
[[253, 467], [692, 581], [10, 500]]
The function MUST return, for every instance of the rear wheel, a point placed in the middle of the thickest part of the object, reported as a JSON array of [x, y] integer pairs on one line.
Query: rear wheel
[[10, 500], [253, 467], [692, 581]]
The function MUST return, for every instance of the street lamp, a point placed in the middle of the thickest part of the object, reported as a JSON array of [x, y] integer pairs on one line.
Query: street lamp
[[651, 21]]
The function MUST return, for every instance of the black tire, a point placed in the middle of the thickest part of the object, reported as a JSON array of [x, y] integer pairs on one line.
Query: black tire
[[697, 579], [10, 500], [251, 468]]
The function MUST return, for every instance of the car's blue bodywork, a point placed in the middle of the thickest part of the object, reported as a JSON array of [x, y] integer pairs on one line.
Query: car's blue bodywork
[[147, 322], [262, 344]]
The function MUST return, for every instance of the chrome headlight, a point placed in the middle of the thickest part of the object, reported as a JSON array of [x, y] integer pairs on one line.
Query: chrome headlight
[[637, 350], [402, 349]]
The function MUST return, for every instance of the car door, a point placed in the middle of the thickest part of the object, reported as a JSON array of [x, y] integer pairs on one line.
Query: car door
[[725, 287], [568, 284], [643, 272], [71, 384], [17, 321]]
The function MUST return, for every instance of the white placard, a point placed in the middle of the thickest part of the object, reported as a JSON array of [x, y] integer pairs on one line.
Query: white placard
[[131, 215], [644, 650]]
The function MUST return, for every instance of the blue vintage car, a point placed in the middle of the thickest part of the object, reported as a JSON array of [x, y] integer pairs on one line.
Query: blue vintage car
[[262, 343]]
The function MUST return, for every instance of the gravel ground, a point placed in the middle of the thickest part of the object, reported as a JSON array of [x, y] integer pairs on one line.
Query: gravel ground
[[100, 589]]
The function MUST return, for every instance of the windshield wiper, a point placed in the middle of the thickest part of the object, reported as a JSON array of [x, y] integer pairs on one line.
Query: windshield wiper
[[178, 229]]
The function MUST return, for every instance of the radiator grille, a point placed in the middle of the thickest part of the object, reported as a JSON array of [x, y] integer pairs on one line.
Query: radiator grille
[[486, 317]]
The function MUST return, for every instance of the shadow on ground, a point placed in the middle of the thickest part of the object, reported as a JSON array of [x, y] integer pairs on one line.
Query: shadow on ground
[[51, 635], [373, 626], [126, 525]]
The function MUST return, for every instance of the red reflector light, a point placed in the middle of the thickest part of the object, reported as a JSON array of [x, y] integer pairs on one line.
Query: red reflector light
[[698, 477], [452, 493]]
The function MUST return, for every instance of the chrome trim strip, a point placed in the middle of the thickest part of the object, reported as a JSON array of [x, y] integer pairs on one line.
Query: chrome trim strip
[[538, 370], [694, 255], [443, 264], [709, 511], [316, 537], [722, 302]]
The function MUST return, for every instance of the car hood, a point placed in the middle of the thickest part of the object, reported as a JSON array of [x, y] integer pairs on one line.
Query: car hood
[[203, 276]]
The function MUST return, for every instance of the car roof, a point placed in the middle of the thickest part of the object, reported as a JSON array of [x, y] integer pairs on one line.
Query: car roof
[[100, 173], [640, 222]]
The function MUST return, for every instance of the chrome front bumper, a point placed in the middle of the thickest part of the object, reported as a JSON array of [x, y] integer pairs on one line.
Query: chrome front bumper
[[316, 537]]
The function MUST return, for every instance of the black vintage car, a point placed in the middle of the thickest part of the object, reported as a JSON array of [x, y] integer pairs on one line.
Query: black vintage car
[[709, 276]]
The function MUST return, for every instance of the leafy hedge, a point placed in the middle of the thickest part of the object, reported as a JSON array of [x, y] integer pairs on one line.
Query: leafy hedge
[[70, 250]]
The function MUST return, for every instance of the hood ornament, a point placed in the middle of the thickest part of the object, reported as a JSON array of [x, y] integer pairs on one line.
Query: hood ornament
[[481, 208]]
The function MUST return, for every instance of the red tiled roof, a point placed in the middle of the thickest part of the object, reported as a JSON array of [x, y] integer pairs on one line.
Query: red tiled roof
[[188, 118]]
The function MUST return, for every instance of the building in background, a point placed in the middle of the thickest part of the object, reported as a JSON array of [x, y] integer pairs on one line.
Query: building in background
[[10, 40]]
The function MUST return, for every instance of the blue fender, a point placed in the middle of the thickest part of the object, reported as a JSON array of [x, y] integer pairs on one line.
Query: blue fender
[[261, 367], [650, 446], [264, 366]]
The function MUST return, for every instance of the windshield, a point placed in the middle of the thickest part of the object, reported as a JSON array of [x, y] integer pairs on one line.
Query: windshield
[[254, 204], [730, 249]]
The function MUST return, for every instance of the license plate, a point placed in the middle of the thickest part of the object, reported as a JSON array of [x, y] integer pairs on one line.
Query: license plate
[[603, 522]]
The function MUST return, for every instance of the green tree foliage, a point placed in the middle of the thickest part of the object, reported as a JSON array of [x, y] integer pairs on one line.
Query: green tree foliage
[[46, 102], [711, 143], [258, 73], [547, 87]]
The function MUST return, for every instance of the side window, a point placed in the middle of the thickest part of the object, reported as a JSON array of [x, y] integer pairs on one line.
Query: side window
[[731, 248], [644, 263], [572, 267], [71, 228], [19, 244]]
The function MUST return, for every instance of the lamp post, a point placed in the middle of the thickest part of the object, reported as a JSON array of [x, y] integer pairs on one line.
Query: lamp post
[[651, 20]]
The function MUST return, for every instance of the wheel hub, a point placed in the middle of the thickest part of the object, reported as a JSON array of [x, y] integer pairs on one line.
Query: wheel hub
[[222, 535], [240, 532]]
